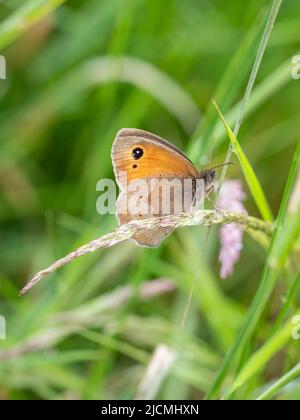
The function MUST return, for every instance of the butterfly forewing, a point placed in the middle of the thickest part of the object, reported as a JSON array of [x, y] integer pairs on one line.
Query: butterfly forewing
[[139, 155]]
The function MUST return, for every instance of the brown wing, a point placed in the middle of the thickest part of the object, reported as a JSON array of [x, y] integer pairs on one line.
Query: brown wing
[[142, 155], [147, 238], [158, 159]]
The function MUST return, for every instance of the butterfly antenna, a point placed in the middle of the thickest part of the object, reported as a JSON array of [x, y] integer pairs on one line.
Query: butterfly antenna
[[223, 164]]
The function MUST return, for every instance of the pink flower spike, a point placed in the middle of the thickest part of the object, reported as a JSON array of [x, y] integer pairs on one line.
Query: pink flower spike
[[231, 236]]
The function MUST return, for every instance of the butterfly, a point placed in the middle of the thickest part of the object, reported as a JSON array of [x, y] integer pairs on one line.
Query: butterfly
[[142, 157]]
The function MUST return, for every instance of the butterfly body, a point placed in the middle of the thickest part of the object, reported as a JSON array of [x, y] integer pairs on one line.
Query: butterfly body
[[139, 156]]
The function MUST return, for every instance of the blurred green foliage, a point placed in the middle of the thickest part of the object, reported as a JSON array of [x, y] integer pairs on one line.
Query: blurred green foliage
[[77, 72]]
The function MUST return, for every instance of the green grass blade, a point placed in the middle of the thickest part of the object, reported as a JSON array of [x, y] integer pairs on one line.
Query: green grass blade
[[277, 386], [268, 281], [232, 80], [252, 181], [259, 359], [267, 88], [261, 51], [26, 16], [288, 302]]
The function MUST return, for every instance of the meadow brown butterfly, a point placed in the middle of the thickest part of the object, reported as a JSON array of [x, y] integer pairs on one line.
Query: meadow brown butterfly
[[145, 157]]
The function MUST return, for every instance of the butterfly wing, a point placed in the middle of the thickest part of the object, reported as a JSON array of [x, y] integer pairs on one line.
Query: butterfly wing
[[148, 238], [144, 156], [159, 157]]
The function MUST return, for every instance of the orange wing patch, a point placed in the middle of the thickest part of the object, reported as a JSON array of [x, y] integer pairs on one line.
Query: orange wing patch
[[155, 162]]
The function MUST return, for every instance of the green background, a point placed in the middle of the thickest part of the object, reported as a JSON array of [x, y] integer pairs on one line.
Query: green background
[[77, 72]]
